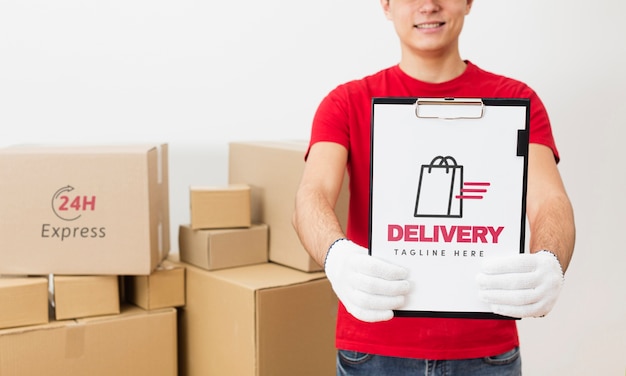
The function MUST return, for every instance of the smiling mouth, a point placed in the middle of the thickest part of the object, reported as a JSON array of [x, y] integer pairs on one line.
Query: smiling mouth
[[430, 25]]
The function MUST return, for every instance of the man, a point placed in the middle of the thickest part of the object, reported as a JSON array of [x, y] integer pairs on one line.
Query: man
[[370, 340]]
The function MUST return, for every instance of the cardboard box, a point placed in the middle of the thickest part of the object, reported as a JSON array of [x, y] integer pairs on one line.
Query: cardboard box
[[83, 210], [220, 207], [261, 320], [85, 296], [165, 287], [225, 248], [23, 301], [273, 170], [135, 342]]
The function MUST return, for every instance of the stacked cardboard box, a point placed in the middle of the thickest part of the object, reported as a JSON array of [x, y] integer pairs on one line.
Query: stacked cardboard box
[[165, 287], [220, 207], [76, 221], [257, 320], [134, 342], [248, 313], [273, 169], [23, 301], [221, 233], [75, 297], [83, 210], [119, 307]]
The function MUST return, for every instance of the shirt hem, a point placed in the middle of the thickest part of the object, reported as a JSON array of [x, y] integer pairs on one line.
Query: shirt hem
[[430, 354]]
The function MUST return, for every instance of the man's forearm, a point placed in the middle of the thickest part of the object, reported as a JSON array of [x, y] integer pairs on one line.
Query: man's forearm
[[553, 229], [316, 224]]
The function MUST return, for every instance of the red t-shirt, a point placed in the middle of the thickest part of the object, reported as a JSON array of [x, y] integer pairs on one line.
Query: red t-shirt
[[344, 117]]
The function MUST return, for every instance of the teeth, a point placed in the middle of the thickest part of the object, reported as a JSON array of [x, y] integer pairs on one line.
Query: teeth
[[428, 26]]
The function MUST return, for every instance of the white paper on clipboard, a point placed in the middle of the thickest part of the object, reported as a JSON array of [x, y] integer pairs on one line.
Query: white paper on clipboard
[[448, 189]]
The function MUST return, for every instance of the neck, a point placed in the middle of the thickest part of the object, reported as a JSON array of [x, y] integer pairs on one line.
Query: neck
[[432, 69]]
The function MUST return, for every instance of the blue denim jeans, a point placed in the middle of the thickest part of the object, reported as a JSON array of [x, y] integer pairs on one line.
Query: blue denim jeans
[[352, 363]]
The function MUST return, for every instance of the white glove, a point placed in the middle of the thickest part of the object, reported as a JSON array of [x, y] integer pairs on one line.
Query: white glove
[[368, 287], [524, 285]]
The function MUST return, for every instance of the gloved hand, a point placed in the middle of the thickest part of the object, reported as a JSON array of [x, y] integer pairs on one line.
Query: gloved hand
[[524, 285], [368, 287]]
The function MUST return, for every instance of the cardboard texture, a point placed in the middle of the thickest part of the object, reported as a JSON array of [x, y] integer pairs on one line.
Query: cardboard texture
[[165, 287], [220, 207], [135, 342], [23, 301], [261, 320], [85, 296], [273, 170], [225, 248], [83, 210]]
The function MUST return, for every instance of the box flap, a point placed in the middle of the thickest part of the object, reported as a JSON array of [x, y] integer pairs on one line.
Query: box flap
[[268, 275], [78, 149], [298, 145], [220, 188], [11, 281], [126, 311], [34, 328]]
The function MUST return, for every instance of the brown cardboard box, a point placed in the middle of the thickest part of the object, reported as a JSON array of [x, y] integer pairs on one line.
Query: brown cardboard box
[[165, 287], [273, 170], [85, 296], [83, 210], [135, 342], [23, 301], [258, 320], [225, 248], [220, 207]]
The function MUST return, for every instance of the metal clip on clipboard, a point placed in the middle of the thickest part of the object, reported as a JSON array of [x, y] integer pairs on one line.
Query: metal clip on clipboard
[[449, 108]]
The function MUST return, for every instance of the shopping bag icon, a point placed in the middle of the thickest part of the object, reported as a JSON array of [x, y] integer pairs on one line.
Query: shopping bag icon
[[439, 189]]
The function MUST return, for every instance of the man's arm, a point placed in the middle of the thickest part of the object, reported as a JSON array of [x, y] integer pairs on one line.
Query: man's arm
[[549, 210], [314, 218], [528, 285], [369, 288]]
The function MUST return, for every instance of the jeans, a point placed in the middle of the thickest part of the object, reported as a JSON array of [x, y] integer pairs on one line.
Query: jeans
[[352, 363]]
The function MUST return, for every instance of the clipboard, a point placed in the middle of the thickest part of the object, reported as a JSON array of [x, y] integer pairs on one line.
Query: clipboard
[[448, 183]]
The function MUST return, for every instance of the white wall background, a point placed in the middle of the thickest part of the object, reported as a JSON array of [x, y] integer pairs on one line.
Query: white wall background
[[199, 74]]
